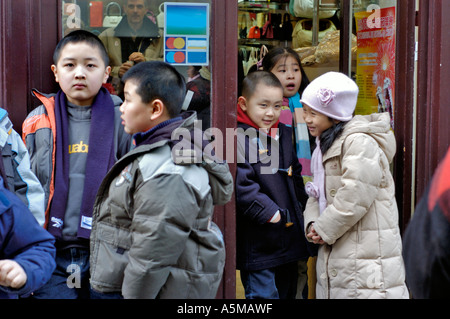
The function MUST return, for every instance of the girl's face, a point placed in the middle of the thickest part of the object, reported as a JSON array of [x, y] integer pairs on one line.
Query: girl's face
[[317, 122], [288, 72]]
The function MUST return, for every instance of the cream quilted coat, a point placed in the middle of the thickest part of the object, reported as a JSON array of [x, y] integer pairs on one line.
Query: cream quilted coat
[[362, 257]]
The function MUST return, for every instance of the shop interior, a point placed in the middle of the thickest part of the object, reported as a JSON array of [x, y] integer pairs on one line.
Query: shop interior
[[311, 27]]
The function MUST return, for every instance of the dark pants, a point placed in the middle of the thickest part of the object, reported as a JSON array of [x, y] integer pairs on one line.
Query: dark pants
[[273, 283], [70, 280]]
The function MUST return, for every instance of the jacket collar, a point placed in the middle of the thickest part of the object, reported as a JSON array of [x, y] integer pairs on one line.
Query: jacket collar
[[162, 131], [376, 126], [335, 149], [243, 118]]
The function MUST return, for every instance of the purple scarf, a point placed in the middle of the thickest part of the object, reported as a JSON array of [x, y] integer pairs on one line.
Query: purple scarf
[[99, 160]]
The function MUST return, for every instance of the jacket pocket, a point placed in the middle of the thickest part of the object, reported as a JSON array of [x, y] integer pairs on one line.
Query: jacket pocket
[[110, 257], [269, 239]]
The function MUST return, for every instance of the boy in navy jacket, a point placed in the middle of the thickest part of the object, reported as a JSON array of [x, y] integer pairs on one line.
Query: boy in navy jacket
[[27, 251], [270, 194]]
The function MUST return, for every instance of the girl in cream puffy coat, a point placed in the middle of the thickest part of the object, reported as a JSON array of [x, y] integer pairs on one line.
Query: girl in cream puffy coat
[[352, 212]]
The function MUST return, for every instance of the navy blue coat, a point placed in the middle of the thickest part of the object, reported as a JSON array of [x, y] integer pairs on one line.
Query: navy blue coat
[[259, 194], [23, 240]]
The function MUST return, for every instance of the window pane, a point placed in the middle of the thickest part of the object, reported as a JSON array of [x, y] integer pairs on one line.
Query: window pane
[[133, 31]]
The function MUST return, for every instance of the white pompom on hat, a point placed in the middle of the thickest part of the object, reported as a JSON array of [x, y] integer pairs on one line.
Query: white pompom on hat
[[333, 94]]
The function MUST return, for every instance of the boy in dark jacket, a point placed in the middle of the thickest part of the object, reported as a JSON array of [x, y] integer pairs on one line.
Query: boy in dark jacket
[[270, 193], [27, 253]]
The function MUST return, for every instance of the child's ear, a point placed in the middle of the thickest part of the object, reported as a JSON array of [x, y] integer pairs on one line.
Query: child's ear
[[158, 109], [242, 103], [55, 72], [107, 73]]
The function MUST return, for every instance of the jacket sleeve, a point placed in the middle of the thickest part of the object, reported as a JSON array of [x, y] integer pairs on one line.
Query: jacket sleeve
[[37, 136], [426, 242], [28, 244], [311, 213], [161, 225], [26, 185], [361, 177]]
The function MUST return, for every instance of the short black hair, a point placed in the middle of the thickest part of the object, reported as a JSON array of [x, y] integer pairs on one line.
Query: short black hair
[[253, 79], [158, 80], [78, 36]]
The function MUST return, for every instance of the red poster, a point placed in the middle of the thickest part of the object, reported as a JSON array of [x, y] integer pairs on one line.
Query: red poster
[[375, 73]]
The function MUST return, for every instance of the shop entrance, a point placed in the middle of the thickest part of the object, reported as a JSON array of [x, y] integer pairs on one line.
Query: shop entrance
[[365, 39]]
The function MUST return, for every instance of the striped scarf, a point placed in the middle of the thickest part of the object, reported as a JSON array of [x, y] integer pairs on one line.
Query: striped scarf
[[294, 116]]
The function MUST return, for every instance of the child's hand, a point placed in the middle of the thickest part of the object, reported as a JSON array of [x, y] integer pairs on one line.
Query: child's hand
[[12, 274], [276, 218], [314, 236]]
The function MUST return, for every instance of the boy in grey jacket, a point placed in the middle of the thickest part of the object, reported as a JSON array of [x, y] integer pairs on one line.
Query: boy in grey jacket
[[152, 233]]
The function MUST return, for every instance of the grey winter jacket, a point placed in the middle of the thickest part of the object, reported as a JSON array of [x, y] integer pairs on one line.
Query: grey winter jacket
[[152, 233]]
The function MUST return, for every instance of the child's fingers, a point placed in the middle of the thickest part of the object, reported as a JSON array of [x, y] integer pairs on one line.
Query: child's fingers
[[17, 279], [4, 271], [11, 274]]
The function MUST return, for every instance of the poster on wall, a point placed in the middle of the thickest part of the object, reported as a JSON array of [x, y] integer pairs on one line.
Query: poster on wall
[[375, 73], [186, 33]]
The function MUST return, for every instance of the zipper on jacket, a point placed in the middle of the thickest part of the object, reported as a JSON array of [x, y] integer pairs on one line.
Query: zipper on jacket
[[328, 275], [358, 232]]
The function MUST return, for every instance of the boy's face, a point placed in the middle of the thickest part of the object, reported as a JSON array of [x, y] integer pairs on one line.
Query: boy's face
[[136, 115], [80, 72], [264, 106]]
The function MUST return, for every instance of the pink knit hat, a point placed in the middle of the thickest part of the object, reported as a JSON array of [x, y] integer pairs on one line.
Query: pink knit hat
[[332, 94]]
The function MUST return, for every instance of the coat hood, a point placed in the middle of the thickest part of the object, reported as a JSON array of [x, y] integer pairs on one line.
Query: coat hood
[[378, 127], [191, 146]]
